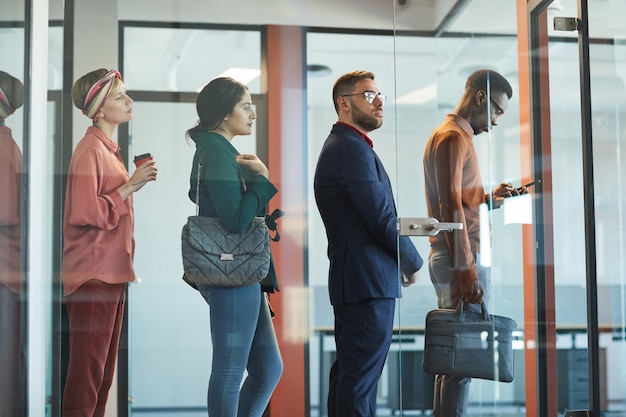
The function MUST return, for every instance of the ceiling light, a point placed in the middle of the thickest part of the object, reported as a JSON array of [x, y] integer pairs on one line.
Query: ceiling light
[[555, 6], [243, 75], [419, 96], [318, 70]]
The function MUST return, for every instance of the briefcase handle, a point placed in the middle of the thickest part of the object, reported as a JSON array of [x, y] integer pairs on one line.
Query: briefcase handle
[[460, 309]]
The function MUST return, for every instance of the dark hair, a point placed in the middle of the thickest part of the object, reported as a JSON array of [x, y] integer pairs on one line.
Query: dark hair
[[13, 89], [216, 100], [478, 81], [347, 82]]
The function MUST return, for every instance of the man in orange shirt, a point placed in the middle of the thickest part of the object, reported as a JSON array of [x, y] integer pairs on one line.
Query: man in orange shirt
[[454, 193]]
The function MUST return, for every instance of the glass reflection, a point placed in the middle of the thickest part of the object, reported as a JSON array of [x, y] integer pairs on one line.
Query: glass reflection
[[414, 120], [608, 96], [12, 306], [11, 98]]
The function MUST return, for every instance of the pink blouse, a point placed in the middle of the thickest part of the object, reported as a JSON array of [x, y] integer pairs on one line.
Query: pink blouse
[[98, 240], [10, 210]]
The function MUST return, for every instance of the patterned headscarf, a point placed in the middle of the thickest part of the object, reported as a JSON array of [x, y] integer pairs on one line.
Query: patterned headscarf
[[98, 93], [5, 107]]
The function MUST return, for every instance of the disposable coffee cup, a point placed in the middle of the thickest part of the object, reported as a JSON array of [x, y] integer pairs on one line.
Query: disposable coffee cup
[[140, 159]]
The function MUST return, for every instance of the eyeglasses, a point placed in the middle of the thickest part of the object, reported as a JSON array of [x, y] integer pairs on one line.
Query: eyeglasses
[[497, 106], [370, 96]]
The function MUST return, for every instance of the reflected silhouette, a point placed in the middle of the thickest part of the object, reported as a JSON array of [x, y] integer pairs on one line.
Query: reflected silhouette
[[11, 98]]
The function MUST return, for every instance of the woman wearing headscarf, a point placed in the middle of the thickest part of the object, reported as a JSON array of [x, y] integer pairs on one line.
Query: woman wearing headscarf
[[98, 242], [11, 98]]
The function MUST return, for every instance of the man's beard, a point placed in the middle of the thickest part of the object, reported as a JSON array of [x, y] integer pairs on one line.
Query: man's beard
[[364, 120]]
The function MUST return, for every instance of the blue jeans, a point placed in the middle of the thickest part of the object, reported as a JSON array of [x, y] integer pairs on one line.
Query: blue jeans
[[243, 339], [451, 394]]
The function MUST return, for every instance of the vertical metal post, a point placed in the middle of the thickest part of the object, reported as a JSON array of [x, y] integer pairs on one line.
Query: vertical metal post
[[589, 209], [542, 379]]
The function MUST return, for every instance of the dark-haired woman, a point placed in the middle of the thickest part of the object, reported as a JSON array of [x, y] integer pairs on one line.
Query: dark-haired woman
[[235, 188]]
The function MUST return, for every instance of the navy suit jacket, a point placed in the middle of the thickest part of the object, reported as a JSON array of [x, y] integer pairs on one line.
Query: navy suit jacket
[[355, 201]]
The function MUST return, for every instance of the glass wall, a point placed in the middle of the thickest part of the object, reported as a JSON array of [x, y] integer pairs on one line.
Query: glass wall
[[586, 170], [433, 92], [289, 54], [607, 73], [12, 305], [168, 320], [426, 73]]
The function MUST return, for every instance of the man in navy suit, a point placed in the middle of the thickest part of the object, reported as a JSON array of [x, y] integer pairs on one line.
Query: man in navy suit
[[355, 201]]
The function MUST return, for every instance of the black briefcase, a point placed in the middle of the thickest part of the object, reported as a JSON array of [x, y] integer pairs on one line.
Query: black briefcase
[[468, 344]]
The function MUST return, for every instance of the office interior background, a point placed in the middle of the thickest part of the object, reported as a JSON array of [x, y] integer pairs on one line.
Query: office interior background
[[557, 255]]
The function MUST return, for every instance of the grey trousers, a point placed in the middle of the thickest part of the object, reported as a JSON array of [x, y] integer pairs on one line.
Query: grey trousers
[[451, 394]]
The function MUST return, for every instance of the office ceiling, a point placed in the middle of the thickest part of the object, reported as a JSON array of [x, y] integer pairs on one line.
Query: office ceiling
[[436, 16], [459, 25], [469, 33]]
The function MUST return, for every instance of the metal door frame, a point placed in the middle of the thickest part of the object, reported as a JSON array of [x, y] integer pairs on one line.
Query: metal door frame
[[536, 8]]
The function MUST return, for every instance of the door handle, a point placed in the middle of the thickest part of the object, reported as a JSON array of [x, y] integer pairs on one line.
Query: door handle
[[418, 226]]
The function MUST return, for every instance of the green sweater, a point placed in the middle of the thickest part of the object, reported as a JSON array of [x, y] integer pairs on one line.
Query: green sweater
[[227, 191]]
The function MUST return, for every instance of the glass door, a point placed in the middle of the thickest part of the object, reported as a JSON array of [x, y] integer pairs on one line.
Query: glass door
[[607, 151], [577, 99], [168, 320], [448, 177]]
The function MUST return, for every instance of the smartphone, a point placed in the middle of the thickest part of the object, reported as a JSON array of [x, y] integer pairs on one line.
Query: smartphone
[[140, 159], [530, 184]]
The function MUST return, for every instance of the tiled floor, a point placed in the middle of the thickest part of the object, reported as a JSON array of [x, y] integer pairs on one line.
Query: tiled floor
[[473, 412], [169, 412]]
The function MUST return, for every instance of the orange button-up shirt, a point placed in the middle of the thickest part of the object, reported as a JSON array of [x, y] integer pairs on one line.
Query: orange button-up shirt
[[454, 189], [98, 225]]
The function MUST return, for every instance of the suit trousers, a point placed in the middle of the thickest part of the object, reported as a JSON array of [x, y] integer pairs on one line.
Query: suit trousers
[[95, 312], [452, 393], [363, 333]]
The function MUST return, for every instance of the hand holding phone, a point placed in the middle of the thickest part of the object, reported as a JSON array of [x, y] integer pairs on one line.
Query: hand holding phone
[[530, 184]]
